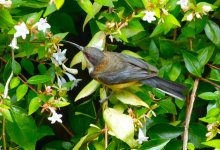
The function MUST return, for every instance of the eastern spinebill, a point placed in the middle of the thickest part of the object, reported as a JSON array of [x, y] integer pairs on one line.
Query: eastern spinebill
[[117, 71]]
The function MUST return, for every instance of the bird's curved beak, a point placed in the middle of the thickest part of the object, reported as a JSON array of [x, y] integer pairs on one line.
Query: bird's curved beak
[[81, 48]]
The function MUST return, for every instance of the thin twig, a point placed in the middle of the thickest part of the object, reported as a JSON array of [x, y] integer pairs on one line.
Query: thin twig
[[174, 34], [189, 113], [67, 130], [190, 44], [106, 136], [3, 133], [210, 82], [213, 66]]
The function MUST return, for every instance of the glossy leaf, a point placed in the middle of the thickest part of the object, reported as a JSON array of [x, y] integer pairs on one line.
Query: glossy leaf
[[88, 89], [205, 54], [156, 144], [120, 125], [50, 9], [208, 96], [59, 3], [164, 131], [213, 143], [212, 31], [14, 82], [37, 79], [34, 105], [16, 68], [108, 3], [21, 91], [86, 5], [192, 64], [98, 40], [127, 97], [6, 18]]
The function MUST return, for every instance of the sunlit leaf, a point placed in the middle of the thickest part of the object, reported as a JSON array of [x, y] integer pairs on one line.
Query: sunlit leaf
[[39, 79], [21, 91], [130, 98], [212, 31], [192, 64], [88, 89], [120, 125], [34, 105]]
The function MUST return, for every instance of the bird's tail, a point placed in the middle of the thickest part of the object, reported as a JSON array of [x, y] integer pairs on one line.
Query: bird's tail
[[171, 88]]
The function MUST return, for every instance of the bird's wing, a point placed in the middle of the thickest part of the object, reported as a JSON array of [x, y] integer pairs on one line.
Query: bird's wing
[[138, 62], [124, 69]]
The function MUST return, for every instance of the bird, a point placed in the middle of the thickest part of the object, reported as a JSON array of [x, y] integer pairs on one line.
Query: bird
[[118, 71]]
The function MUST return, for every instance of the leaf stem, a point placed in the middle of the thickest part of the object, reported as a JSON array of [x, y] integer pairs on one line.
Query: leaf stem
[[3, 133], [210, 82], [106, 136], [189, 113]]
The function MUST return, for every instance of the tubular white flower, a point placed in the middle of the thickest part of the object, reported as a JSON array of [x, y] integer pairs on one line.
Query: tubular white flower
[[183, 4], [42, 25], [206, 9], [55, 116], [189, 17], [21, 30], [70, 70], [13, 43], [141, 137], [149, 16], [60, 56]]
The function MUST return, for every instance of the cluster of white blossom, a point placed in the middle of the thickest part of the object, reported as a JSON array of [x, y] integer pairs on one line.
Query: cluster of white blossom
[[184, 4], [23, 31]]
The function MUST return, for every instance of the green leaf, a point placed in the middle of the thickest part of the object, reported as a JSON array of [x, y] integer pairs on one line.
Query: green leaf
[[127, 97], [6, 18], [6, 113], [208, 96], [213, 143], [34, 105], [50, 9], [134, 27], [205, 54], [59, 36], [153, 51], [120, 125], [39, 79], [28, 66], [96, 8], [192, 64], [164, 131], [98, 40], [86, 5], [23, 130], [42, 68], [21, 91], [157, 144], [212, 31], [14, 82], [41, 52], [168, 106], [15, 66], [59, 3], [175, 71], [88, 89], [214, 75], [105, 2]]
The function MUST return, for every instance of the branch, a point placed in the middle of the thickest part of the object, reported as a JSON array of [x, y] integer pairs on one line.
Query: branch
[[210, 82], [189, 113], [213, 66]]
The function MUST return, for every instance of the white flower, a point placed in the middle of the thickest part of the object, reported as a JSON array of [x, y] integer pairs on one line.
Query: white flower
[[60, 56], [206, 9], [6, 4], [165, 12], [189, 17], [141, 137], [149, 16], [182, 3], [70, 70], [42, 25], [198, 15], [55, 116], [21, 30], [13, 43]]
